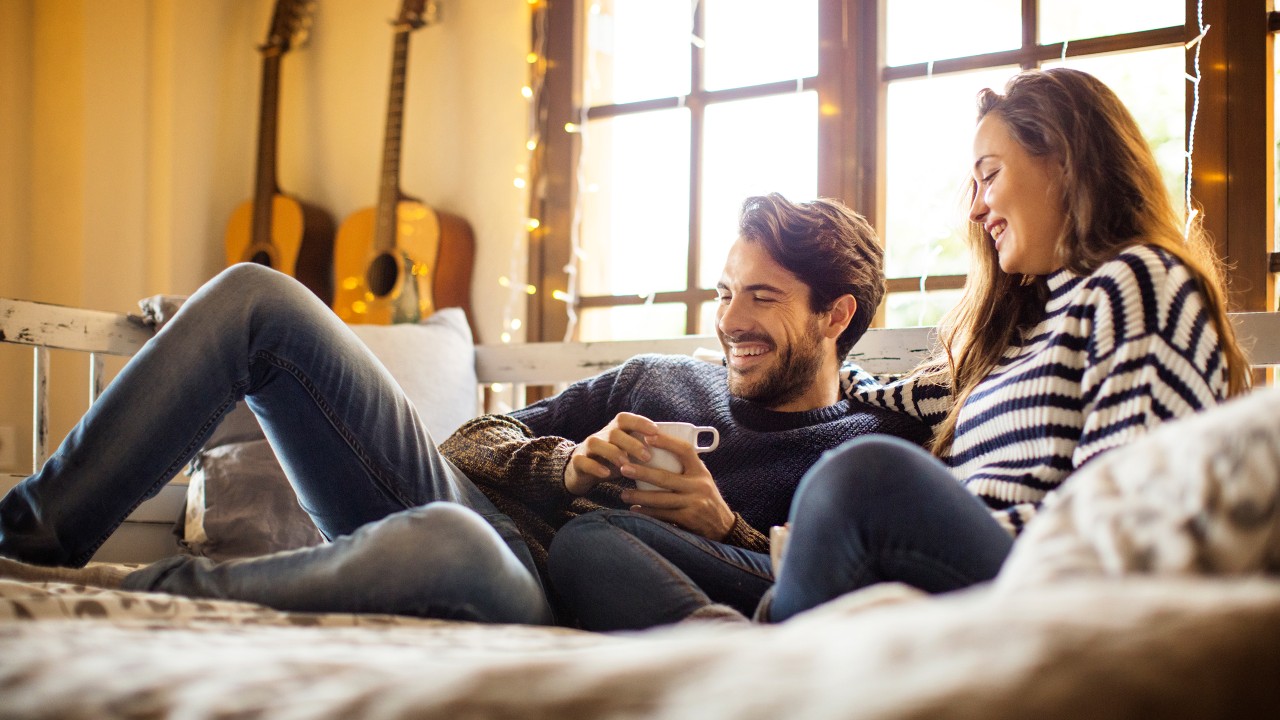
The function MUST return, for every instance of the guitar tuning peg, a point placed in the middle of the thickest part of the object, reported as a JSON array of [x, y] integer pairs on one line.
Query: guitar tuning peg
[[431, 13]]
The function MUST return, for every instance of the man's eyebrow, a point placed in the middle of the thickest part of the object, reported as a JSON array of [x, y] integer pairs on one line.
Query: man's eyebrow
[[757, 287], [765, 287]]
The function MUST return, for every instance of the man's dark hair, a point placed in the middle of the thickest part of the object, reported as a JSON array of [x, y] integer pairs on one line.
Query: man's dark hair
[[831, 248]]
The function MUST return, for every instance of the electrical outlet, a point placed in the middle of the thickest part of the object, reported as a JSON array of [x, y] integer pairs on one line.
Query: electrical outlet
[[8, 448]]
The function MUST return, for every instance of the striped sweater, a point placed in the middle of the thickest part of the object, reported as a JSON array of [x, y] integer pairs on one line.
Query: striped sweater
[[1117, 352]]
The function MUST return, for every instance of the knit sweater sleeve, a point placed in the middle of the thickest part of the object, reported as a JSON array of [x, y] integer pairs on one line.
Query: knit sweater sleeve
[[500, 452], [744, 536], [1152, 352], [924, 394]]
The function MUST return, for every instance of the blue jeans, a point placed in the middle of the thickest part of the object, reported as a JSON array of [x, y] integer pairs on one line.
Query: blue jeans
[[876, 509], [880, 509], [620, 570], [348, 439]]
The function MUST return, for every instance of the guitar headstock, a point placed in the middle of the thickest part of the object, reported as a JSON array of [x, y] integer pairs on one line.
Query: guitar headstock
[[416, 13], [290, 25]]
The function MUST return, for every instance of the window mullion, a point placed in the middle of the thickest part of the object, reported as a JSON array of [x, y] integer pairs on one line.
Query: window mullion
[[696, 114]]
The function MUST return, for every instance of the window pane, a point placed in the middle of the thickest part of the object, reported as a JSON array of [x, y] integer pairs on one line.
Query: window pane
[[635, 217], [637, 50], [906, 309], [753, 147], [751, 42], [928, 154], [1078, 19], [631, 322], [925, 30], [1152, 84]]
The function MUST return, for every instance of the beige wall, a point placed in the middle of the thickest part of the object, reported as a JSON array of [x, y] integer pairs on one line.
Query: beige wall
[[128, 133]]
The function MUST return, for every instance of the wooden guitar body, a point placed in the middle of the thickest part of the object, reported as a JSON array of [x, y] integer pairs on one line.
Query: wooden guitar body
[[389, 284], [300, 242], [427, 266]]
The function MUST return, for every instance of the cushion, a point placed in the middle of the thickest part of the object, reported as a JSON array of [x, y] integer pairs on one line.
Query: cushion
[[1200, 495], [239, 502], [435, 363]]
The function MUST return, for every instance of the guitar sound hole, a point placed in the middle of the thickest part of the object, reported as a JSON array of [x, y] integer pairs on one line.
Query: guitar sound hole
[[381, 277], [262, 258]]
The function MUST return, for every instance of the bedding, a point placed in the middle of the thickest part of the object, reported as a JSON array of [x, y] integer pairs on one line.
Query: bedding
[[1170, 648]]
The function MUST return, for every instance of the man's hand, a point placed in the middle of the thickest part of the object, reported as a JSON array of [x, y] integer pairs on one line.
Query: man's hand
[[689, 500], [600, 455]]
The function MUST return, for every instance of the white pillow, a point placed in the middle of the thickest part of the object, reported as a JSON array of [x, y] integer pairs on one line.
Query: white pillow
[[1200, 495], [435, 363]]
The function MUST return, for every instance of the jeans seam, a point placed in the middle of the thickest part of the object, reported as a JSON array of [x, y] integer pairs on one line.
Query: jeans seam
[[343, 431], [934, 564], [668, 528], [664, 563]]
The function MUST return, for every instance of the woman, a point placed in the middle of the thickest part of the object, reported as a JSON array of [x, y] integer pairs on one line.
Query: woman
[[1088, 318]]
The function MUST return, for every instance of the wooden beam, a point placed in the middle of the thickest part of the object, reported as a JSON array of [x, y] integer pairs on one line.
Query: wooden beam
[[556, 165]]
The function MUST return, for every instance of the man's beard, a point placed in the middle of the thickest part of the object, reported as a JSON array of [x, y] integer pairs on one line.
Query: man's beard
[[793, 373]]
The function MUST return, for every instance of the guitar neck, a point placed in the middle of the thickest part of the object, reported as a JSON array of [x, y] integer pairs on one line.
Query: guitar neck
[[265, 187], [389, 189]]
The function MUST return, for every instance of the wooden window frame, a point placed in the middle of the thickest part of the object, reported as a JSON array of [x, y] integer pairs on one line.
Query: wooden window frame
[[1232, 180]]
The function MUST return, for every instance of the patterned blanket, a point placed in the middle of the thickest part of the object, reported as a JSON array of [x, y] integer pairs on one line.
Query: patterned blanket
[[1170, 648]]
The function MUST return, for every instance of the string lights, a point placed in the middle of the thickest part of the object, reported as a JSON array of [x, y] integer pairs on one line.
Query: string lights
[[518, 292], [1195, 43], [526, 180]]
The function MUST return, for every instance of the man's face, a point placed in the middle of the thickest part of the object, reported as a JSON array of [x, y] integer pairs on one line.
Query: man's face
[[770, 336]]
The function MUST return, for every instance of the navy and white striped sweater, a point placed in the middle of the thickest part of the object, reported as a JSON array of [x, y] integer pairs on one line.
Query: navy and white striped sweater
[[1118, 352]]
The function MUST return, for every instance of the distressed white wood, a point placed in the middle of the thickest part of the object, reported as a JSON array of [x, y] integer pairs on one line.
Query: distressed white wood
[[40, 413], [64, 328], [95, 376], [879, 351]]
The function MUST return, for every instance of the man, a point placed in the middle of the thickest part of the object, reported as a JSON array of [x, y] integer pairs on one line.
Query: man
[[460, 531], [798, 289]]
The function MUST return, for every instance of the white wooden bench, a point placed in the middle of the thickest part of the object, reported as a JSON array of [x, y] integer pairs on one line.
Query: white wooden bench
[[47, 327]]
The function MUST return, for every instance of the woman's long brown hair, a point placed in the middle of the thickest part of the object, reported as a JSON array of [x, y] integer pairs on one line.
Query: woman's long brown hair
[[1114, 198]]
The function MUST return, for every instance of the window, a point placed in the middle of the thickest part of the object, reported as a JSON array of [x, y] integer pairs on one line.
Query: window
[[688, 106], [931, 77]]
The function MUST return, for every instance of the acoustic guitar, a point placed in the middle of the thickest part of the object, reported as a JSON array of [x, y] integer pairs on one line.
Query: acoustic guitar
[[400, 260], [275, 229]]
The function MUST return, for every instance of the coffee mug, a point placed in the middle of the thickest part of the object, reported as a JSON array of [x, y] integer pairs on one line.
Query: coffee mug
[[667, 460]]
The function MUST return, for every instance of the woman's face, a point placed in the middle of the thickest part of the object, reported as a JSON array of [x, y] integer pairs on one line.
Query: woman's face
[[1018, 200]]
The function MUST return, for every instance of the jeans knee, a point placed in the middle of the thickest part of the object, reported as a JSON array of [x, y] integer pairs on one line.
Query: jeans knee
[[573, 543], [585, 547], [449, 552], [249, 284], [450, 537], [859, 473]]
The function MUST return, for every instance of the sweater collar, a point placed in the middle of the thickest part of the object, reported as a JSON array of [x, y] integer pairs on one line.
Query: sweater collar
[[1061, 283], [761, 419]]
